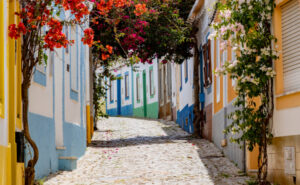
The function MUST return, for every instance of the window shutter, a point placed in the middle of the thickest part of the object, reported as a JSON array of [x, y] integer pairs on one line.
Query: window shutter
[[204, 48], [209, 61], [291, 45]]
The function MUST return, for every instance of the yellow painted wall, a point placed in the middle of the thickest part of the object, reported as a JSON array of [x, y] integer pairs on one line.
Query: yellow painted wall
[[231, 94], [88, 125], [5, 165], [2, 59], [11, 92], [18, 56], [217, 105], [14, 172], [291, 100]]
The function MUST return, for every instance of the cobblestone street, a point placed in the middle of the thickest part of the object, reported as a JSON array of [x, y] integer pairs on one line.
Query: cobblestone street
[[135, 151]]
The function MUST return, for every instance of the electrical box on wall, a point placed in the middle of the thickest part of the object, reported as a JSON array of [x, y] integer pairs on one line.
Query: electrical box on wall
[[289, 160]]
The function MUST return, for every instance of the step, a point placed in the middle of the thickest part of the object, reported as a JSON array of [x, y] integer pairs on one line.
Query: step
[[67, 163]]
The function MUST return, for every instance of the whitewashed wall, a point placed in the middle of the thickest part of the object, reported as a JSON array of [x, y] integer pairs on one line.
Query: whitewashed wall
[[286, 122], [41, 97], [122, 72], [139, 70], [187, 93], [174, 83], [72, 107]]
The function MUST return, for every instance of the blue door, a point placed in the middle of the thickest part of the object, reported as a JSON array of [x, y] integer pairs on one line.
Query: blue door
[[119, 100]]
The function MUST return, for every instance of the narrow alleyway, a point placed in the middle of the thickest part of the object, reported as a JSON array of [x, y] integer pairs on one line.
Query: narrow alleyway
[[136, 151]]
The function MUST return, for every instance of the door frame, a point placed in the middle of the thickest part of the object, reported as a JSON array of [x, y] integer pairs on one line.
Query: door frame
[[119, 96], [145, 93]]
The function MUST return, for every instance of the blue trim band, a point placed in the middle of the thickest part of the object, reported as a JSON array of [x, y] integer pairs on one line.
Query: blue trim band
[[40, 78]]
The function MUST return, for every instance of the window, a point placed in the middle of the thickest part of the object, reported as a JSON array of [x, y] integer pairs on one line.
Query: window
[[233, 80], [51, 63], [290, 46], [169, 80], [186, 71], [111, 91], [74, 61], [207, 63], [218, 67], [180, 74], [151, 80], [224, 56], [126, 86], [138, 88], [67, 36], [161, 86]]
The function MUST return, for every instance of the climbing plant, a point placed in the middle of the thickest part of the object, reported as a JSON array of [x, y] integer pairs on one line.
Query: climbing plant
[[245, 27], [99, 96]]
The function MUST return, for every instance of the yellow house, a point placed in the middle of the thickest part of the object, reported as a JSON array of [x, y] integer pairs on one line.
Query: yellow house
[[223, 98], [11, 169], [284, 153]]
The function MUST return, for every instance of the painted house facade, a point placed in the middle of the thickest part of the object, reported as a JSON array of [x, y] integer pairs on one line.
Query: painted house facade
[[120, 93], [134, 92], [165, 90], [145, 90], [59, 106], [284, 153], [11, 137], [217, 92], [185, 95]]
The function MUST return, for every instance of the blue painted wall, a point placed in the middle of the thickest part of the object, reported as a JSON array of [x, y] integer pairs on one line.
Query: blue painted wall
[[127, 110], [186, 113], [42, 130], [124, 110], [74, 140]]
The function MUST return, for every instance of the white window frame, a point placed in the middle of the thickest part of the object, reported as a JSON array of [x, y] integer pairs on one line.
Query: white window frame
[[74, 60], [218, 89], [111, 91], [138, 98], [126, 86]]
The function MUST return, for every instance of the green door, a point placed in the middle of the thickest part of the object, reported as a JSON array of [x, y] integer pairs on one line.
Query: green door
[[144, 93]]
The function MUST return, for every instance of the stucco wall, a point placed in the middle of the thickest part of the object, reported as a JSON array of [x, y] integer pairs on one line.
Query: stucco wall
[[233, 151], [126, 102], [185, 107], [57, 115], [286, 122], [152, 101], [276, 172]]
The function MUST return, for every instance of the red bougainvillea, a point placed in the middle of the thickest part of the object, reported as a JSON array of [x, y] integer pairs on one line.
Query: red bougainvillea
[[88, 37], [34, 19], [140, 9]]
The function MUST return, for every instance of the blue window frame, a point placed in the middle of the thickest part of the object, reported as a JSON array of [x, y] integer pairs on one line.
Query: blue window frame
[[74, 64], [40, 77]]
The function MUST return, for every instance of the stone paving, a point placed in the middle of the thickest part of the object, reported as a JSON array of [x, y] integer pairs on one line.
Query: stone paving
[[135, 151]]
